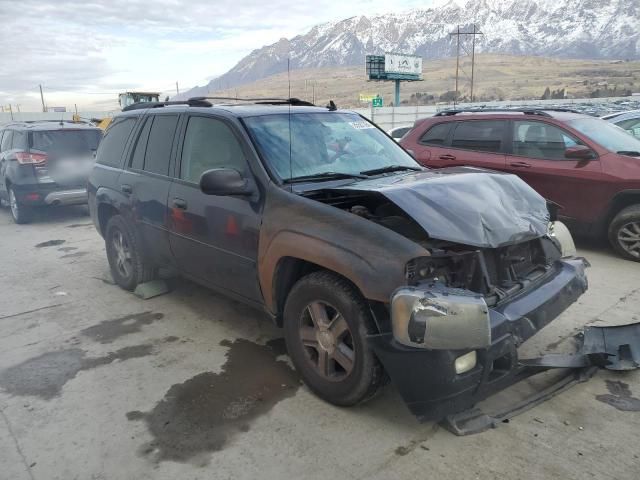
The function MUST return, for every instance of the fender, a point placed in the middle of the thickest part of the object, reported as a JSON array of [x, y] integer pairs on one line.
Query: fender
[[371, 256], [114, 198]]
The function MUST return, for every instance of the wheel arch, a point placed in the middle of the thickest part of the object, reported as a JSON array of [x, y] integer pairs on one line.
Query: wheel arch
[[620, 201]]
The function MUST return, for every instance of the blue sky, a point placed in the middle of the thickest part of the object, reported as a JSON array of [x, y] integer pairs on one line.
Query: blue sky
[[85, 51]]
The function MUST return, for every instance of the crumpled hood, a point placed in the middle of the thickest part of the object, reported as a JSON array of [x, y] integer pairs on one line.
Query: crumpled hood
[[465, 205]]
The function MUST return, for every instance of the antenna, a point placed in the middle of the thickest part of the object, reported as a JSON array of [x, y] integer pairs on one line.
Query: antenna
[[290, 135]]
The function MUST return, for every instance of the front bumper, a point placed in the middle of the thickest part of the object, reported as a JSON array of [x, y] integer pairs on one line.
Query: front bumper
[[426, 378]]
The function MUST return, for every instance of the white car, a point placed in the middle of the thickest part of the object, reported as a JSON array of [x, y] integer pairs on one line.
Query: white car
[[630, 121], [398, 132]]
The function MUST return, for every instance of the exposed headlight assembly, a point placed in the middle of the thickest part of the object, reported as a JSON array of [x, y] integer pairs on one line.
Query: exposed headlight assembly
[[440, 318], [560, 232]]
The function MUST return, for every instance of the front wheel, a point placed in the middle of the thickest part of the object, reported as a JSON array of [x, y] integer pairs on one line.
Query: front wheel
[[326, 322], [20, 213], [128, 267], [624, 233]]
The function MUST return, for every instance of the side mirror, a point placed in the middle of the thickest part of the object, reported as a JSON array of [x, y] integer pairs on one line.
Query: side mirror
[[224, 182], [579, 152]]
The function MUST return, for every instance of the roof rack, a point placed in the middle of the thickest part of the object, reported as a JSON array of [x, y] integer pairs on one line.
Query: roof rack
[[526, 111], [296, 102], [192, 102]]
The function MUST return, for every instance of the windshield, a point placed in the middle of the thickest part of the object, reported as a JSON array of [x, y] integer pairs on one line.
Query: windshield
[[323, 142], [606, 134], [66, 141]]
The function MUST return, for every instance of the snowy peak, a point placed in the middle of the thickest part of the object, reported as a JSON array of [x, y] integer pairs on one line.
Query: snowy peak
[[595, 29]]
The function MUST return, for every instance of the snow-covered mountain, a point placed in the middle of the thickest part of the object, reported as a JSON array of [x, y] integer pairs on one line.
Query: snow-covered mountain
[[594, 29]]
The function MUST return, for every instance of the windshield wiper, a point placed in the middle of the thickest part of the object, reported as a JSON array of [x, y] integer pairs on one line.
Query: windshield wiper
[[389, 168], [631, 153], [323, 176]]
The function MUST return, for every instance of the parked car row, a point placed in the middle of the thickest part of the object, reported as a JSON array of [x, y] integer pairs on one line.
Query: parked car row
[[589, 167]]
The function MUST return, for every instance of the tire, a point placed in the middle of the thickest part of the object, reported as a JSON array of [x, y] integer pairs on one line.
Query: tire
[[128, 268], [20, 213], [340, 383], [624, 233]]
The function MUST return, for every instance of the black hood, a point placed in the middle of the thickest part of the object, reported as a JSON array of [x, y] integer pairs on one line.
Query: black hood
[[465, 205]]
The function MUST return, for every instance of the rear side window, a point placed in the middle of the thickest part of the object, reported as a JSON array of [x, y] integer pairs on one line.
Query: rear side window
[[158, 153], [437, 134], [6, 141], [115, 139], [479, 135], [137, 159], [19, 140]]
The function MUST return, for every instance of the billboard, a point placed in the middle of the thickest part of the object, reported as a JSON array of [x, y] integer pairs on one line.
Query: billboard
[[403, 64]]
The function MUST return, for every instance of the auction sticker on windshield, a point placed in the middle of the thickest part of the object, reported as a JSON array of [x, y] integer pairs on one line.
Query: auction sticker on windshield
[[361, 125]]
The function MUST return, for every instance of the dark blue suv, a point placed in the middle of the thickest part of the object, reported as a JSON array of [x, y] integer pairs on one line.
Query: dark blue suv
[[372, 264], [45, 163]]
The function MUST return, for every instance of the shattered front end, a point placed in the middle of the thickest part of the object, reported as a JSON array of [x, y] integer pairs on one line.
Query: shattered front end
[[450, 348]]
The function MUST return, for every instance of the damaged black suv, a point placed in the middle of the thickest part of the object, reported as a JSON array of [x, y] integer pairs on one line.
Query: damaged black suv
[[373, 265]]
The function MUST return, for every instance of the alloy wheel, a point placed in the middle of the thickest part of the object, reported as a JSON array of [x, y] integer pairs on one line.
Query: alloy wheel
[[13, 203], [123, 253], [629, 238], [328, 341]]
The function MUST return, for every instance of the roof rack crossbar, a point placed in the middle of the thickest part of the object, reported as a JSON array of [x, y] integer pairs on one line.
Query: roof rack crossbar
[[261, 101], [192, 102], [527, 111]]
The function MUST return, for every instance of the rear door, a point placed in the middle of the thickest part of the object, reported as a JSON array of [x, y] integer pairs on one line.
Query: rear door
[[431, 144], [537, 155], [214, 238], [146, 181], [479, 143]]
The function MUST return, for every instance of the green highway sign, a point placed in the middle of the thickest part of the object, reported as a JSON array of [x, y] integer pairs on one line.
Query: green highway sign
[[377, 101]]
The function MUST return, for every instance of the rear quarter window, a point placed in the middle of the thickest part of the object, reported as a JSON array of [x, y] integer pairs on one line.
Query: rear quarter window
[[437, 134], [19, 140], [114, 142]]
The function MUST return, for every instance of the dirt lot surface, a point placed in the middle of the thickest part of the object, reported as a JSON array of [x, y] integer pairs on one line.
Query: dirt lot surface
[[98, 384]]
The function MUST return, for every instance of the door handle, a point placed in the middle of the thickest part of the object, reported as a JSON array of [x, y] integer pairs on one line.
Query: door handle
[[126, 189], [520, 164], [447, 157], [179, 203]]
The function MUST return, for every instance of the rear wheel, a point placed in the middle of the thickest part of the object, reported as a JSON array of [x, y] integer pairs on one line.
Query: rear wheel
[[128, 267], [326, 322], [20, 213], [624, 233]]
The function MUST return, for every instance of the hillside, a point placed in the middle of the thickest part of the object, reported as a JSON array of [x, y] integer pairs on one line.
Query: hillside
[[497, 77], [584, 29]]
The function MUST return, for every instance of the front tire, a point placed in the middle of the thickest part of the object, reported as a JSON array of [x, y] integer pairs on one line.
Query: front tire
[[624, 233], [326, 322], [20, 213], [128, 267]]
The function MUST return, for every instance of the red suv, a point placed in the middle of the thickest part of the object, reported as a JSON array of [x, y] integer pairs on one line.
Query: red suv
[[586, 165]]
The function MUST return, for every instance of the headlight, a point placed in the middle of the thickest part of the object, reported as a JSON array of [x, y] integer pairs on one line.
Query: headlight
[[560, 232], [440, 318]]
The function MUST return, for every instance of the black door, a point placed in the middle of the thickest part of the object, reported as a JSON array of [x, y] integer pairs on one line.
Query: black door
[[214, 238], [146, 182]]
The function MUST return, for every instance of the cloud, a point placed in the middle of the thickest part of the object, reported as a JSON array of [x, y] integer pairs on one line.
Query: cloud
[[82, 47]]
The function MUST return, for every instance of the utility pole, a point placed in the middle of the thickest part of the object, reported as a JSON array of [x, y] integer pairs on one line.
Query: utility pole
[[11, 111], [44, 109], [18, 107], [473, 57], [455, 94], [459, 47], [177, 89]]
